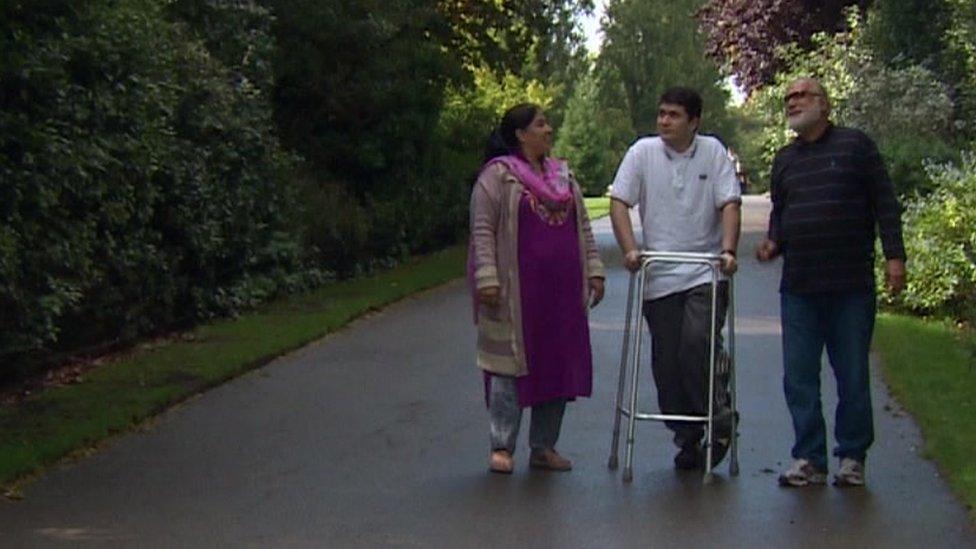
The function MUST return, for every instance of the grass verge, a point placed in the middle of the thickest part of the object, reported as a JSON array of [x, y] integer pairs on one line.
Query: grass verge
[[597, 206], [127, 390], [928, 369]]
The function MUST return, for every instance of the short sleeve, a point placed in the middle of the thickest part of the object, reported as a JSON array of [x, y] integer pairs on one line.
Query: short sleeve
[[627, 183], [726, 183]]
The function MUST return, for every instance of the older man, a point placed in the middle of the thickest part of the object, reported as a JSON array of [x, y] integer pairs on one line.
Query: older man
[[829, 191]]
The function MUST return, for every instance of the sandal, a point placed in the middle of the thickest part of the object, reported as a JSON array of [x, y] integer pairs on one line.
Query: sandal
[[501, 461]]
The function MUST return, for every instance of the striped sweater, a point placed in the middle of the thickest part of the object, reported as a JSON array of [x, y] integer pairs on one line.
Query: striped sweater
[[828, 196]]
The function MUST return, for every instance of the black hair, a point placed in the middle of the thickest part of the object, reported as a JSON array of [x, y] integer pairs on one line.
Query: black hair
[[504, 140], [686, 97]]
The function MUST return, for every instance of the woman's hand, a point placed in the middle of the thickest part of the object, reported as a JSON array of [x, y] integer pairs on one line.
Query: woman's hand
[[596, 291], [489, 296]]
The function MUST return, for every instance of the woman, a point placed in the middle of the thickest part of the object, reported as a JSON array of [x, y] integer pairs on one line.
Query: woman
[[534, 270]]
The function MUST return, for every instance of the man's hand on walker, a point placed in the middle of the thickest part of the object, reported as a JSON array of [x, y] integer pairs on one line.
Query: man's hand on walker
[[729, 264], [632, 260], [895, 275], [489, 296], [596, 291]]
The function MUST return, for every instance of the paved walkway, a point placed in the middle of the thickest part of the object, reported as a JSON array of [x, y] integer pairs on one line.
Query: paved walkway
[[377, 437]]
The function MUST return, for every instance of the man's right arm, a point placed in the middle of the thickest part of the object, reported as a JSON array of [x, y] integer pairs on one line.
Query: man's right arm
[[626, 191], [624, 232]]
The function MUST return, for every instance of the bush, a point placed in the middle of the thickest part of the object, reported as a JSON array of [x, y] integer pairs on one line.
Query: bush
[[143, 184], [906, 157], [941, 244]]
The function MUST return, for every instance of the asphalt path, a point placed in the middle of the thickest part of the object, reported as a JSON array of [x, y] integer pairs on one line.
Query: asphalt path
[[376, 436]]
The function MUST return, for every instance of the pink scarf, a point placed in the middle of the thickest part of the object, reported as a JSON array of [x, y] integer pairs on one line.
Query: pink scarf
[[550, 188]]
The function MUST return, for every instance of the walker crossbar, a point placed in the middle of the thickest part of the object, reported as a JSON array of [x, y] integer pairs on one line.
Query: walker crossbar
[[630, 356]]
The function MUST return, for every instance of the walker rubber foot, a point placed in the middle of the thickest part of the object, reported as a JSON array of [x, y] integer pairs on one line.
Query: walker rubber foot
[[612, 464], [628, 475]]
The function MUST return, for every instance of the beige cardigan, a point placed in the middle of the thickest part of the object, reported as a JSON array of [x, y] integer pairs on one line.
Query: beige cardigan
[[494, 250]]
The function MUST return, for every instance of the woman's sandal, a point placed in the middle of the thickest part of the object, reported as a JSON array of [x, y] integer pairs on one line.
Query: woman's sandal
[[501, 461], [549, 460]]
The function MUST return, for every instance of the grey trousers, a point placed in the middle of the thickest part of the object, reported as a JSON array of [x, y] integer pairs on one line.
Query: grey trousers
[[506, 417], [679, 325]]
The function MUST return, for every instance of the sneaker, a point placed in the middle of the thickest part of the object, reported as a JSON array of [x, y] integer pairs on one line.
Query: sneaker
[[802, 473], [851, 473], [689, 457]]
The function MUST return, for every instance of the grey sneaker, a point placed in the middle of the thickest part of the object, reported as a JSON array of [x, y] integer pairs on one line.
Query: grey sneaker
[[802, 473], [851, 473]]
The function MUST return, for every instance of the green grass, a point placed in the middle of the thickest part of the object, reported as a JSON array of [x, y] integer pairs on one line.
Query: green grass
[[929, 370], [598, 206], [128, 390]]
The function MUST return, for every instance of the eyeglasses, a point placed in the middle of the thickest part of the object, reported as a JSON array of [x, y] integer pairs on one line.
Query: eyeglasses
[[800, 94]]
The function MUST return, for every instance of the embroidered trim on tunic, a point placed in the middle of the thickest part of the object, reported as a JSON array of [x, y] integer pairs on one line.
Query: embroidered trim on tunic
[[554, 214]]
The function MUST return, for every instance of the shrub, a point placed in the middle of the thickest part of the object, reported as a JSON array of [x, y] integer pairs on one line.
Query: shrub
[[941, 243], [143, 185]]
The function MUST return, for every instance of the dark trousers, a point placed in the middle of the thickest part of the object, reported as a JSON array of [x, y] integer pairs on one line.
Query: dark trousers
[[843, 323], [679, 325]]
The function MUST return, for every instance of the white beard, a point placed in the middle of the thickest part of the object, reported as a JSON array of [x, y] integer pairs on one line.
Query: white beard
[[805, 119]]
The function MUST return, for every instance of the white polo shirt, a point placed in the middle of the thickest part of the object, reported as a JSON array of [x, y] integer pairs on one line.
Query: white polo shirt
[[680, 198]]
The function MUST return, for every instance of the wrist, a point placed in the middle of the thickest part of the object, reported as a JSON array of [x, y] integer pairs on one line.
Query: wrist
[[729, 251]]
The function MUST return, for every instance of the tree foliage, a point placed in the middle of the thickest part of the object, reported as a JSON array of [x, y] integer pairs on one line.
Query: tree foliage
[[906, 110], [594, 135], [652, 46], [511, 34], [165, 162], [743, 35]]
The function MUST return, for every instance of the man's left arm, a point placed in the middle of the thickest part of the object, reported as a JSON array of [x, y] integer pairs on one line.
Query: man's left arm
[[728, 199], [887, 213], [731, 224]]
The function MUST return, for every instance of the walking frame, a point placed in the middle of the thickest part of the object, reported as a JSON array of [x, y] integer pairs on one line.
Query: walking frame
[[631, 355]]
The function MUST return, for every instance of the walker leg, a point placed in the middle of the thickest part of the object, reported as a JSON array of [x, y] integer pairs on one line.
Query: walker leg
[[621, 380], [634, 376], [734, 443], [733, 397]]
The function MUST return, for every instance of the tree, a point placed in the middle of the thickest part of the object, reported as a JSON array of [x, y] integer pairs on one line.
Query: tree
[[359, 84], [652, 46], [906, 110], [532, 39], [594, 136], [507, 35], [743, 35]]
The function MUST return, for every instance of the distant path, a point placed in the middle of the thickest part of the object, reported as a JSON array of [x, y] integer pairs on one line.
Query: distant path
[[377, 437]]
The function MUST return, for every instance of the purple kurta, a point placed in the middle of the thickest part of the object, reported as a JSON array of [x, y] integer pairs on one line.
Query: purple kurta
[[554, 322]]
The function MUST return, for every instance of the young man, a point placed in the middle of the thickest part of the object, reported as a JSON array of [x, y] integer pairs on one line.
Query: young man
[[689, 201], [829, 191]]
